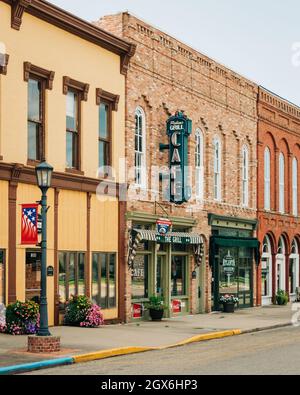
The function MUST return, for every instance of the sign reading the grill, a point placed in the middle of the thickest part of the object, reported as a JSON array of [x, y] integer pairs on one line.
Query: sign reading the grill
[[179, 128]]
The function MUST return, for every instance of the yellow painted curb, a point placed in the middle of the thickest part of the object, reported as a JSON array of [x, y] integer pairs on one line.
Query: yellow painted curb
[[134, 350], [111, 353], [207, 336]]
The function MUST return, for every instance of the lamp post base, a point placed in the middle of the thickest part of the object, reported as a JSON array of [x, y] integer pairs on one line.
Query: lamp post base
[[43, 344]]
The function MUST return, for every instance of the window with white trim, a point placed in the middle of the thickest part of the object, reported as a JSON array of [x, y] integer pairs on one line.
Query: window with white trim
[[140, 147], [295, 187], [245, 176], [267, 179], [199, 164], [217, 169], [281, 183]]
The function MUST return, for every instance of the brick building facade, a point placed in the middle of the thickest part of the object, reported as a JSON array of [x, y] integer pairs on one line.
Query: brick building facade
[[278, 196], [163, 77]]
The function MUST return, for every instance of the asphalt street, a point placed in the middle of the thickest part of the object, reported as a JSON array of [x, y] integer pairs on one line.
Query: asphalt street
[[264, 353]]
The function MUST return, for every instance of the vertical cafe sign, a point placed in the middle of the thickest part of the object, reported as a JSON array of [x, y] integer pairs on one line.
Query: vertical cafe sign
[[179, 128]]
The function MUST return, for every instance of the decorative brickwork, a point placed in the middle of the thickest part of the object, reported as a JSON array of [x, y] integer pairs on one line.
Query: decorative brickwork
[[279, 131], [43, 345]]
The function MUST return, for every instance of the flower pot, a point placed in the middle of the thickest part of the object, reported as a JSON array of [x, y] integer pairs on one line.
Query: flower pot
[[228, 307], [156, 315]]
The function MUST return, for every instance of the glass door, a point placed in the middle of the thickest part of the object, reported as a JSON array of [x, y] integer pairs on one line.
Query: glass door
[[33, 275], [245, 282], [160, 276]]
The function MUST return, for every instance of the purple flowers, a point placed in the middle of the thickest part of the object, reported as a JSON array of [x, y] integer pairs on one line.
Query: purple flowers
[[21, 319]]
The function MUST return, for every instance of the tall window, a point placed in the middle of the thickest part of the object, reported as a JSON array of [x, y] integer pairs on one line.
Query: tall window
[[267, 179], [104, 135], [217, 169], [35, 119], [281, 183], [104, 280], [245, 176], [199, 163], [2, 277], [140, 148], [71, 275], [73, 130], [295, 187]]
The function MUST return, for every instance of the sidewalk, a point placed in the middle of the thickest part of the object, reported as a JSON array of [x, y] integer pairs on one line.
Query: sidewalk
[[77, 341]]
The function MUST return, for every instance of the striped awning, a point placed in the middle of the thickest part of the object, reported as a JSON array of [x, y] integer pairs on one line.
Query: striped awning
[[139, 235], [172, 237]]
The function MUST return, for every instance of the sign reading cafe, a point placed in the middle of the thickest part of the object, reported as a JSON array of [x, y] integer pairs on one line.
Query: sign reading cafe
[[179, 128]]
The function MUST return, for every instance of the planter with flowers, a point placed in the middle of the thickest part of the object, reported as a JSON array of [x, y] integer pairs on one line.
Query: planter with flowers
[[229, 302], [21, 318], [80, 311]]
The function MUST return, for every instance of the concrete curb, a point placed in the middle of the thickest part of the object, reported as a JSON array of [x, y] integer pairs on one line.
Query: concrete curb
[[36, 366], [266, 328], [94, 356]]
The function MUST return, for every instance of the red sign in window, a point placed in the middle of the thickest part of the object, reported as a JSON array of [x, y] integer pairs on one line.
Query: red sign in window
[[176, 306], [137, 310]]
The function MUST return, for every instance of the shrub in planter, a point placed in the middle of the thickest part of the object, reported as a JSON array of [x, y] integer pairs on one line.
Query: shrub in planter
[[156, 307], [282, 298], [80, 311], [21, 318]]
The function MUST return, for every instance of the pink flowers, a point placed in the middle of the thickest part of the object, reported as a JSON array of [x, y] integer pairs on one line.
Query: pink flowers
[[94, 317]]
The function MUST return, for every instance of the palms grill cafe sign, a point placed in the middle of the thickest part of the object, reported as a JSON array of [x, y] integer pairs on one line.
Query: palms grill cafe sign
[[179, 128]]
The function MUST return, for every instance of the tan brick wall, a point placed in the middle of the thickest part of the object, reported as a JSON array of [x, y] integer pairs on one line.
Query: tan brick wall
[[165, 76]]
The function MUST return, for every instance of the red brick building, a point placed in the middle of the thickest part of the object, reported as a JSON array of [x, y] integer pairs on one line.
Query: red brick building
[[278, 196], [163, 77]]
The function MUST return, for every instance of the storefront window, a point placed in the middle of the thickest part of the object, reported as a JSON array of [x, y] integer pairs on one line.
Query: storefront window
[[71, 279], [2, 277], [140, 277], [178, 276], [33, 275], [104, 280]]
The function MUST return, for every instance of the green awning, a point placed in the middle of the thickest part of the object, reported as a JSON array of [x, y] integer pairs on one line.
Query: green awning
[[225, 241]]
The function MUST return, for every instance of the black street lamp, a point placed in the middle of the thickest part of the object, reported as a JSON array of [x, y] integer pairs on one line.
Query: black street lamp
[[43, 175]]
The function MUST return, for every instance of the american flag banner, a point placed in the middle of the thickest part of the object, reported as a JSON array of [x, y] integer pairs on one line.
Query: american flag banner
[[29, 231]]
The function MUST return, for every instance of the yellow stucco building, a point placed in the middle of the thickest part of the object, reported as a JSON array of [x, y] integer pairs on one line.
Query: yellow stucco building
[[62, 98]]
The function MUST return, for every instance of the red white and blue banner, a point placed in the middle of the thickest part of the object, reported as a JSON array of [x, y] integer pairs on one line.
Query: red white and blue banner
[[29, 230]]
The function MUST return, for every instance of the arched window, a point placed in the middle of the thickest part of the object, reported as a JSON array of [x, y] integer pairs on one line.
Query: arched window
[[199, 163], [267, 179], [217, 169], [281, 183], [295, 187], [140, 148], [245, 176]]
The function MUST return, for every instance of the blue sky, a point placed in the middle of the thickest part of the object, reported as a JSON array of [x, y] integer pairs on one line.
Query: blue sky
[[254, 38]]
